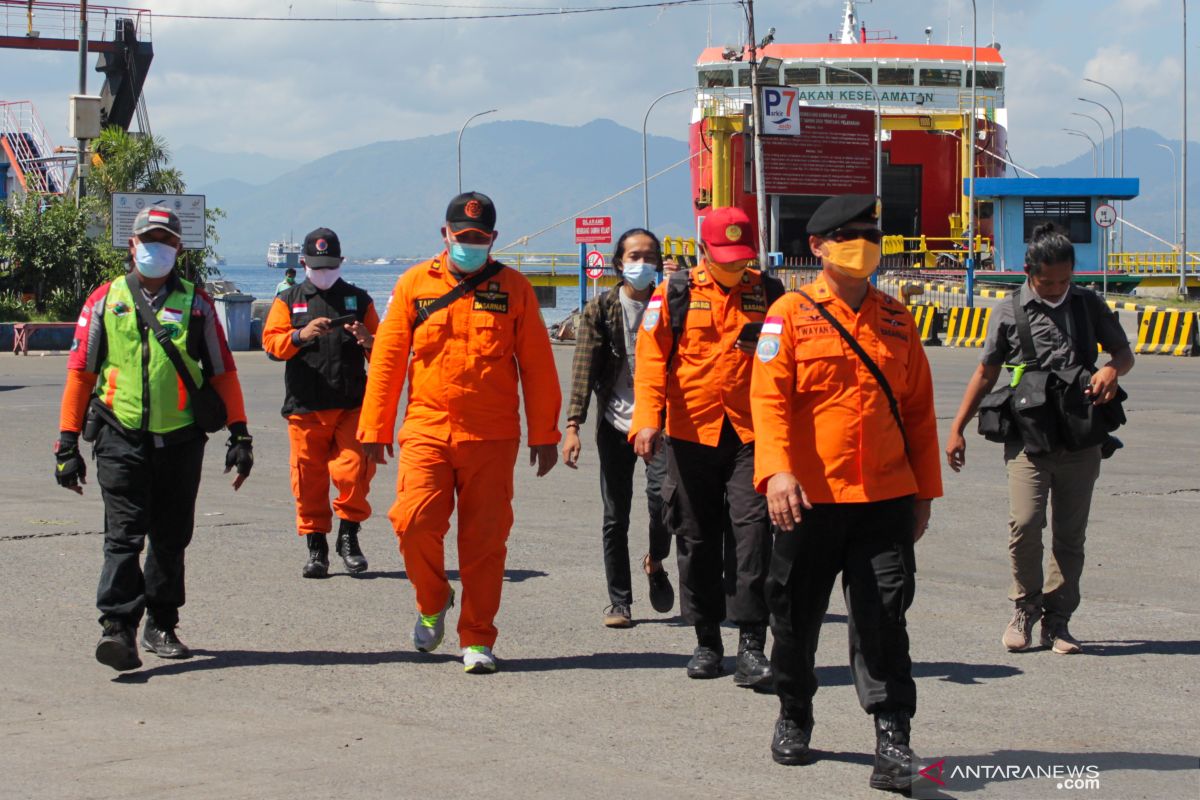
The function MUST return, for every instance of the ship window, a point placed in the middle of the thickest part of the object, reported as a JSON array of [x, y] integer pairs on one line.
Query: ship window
[[1071, 214], [895, 76], [837, 76], [712, 78], [941, 77], [988, 79], [802, 76], [743, 77]]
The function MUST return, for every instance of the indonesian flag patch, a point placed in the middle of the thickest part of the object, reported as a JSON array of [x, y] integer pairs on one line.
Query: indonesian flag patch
[[172, 314], [300, 308], [159, 216], [773, 325]]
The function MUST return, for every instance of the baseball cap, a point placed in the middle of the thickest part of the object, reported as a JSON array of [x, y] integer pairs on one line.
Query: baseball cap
[[158, 218], [322, 249], [471, 211], [840, 210], [726, 233]]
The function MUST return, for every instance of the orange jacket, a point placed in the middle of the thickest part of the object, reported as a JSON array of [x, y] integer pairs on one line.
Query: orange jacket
[[466, 359], [821, 415], [709, 377]]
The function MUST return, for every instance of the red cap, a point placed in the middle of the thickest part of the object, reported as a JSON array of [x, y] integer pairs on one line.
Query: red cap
[[727, 234]]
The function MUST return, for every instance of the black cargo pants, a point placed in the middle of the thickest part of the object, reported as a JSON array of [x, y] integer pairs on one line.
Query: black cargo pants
[[871, 545], [148, 491], [723, 533]]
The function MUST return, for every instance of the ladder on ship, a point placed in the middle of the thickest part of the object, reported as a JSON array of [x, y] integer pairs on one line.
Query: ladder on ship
[[31, 154]]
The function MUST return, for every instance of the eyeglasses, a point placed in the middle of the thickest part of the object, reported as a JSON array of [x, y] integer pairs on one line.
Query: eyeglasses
[[872, 235]]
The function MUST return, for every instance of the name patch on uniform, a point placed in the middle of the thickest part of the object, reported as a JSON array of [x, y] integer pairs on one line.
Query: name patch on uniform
[[300, 308], [754, 303], [699, 305], [172, 315], [808, 331], [491, 300], [768, 347], [893, 334], [421, 302]]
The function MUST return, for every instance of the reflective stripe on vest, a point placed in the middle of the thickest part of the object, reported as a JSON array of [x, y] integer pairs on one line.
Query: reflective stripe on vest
[[121, 374]]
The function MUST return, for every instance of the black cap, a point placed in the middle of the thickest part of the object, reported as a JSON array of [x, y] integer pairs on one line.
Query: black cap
[[841, 209], [471, 211], [322, 249]]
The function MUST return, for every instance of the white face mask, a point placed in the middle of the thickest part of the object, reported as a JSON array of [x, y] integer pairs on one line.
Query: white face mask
[[323, 278], [1051, 303]]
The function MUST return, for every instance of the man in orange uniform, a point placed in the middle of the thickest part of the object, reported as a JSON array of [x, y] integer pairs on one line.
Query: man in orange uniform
[[323, 386], [842, 399], [697, 371], [473, 328]]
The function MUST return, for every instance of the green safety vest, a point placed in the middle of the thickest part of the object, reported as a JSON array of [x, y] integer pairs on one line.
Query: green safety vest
[[137, 380]]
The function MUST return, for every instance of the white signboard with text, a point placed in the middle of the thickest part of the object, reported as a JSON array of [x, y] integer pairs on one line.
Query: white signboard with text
[[781, 111], [188, 207]]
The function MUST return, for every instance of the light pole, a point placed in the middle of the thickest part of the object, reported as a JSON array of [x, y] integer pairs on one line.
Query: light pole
[[878, 127], [1113, 122], [1174, 195], [760, 193], [1183, 147], [460, 135], [1121, 103], [1075, 132], [970, 287], [645, 167], [1100, 127]]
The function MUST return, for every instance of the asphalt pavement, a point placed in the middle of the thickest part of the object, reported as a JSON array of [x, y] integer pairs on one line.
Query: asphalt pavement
[[311, 689]]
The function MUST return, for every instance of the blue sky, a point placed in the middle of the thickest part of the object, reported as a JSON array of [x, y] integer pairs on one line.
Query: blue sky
[[300, 90]]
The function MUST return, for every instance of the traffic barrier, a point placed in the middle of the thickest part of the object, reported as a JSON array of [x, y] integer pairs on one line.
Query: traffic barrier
[[967, 327], [929, 323], [1171, 333]]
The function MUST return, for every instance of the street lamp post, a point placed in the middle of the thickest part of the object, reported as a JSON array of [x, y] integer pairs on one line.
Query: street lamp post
[[1092, 141], [1121, 104], [760, 193], [1113, 123], [1183, 147], [1174, 195], [459, 146], [878, 127], [970, 287], [1100, 127], [645, 167]]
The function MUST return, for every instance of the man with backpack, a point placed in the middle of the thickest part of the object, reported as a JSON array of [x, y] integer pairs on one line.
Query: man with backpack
[[694, 356]]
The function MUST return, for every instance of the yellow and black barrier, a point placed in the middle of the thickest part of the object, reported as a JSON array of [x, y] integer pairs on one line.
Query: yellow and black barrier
[[1170, 333], [967, 327], [929, 323]]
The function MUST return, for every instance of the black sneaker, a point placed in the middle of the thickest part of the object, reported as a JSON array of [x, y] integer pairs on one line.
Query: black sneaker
[[789, 745], [162, 641], [115, 648], [317, 565], [707, 657], [662, 594], [347, 547]]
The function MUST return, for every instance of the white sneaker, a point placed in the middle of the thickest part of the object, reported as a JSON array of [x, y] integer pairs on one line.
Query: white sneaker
[[478, 659], [430, 628]]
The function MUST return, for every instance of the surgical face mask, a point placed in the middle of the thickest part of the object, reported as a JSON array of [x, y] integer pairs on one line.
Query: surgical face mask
[[728, 275], [1051, 303], [468, 257], [323, 278], [639, 274], [154, 259], [856, 258]]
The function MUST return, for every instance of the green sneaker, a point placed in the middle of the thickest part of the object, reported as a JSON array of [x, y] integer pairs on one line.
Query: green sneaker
[[430, 628], [478, 660]]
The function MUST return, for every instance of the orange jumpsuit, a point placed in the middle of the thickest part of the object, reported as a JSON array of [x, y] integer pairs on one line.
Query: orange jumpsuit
[[324, 446], [461, 430]]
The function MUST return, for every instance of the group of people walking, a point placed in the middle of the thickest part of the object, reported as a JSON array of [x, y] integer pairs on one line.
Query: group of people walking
[[787, 438]]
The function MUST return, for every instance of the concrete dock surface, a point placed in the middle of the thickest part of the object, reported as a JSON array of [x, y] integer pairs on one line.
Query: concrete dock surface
[[311, 689]]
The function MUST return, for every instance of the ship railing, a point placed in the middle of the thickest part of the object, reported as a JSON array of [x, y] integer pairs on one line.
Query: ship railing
[[1151, 263], [935, 252], [54, 23], [28, 145], [896, 277]]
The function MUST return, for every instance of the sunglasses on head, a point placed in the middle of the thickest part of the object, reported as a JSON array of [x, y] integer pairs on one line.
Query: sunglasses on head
[[872, 235]]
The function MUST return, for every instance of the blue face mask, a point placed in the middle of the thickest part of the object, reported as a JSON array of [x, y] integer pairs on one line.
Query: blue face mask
[[639, 274], [154, 259], [468, 257]]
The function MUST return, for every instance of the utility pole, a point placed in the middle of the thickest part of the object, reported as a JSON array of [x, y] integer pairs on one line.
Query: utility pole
[[760, 188], [81, 153], [1183, 147]]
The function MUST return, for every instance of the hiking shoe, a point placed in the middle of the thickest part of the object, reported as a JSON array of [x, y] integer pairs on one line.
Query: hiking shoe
[[789, 745], [895, 763], [317, 565], [430, 628], [347, 547], [1019, 633], [478, 660], [662, 594], [1056, 636], [618, 615], [162, 641], [115, 648]]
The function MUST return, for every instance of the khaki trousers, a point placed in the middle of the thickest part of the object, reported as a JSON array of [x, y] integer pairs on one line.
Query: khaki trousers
[[1062, 480]]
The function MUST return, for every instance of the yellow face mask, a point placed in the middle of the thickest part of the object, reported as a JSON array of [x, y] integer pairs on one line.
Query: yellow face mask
[[728, 275], [856, 258]]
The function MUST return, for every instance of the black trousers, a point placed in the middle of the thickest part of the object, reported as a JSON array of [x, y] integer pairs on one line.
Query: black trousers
[[617, 465], [148, 491], [723, 533], [871, 545]]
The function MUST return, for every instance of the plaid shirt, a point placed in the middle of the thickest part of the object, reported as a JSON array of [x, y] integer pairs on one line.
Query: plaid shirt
[[599, 351]]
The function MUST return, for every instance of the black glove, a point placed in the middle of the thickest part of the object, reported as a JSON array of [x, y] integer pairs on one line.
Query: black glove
[[241, 449], [70, 469]]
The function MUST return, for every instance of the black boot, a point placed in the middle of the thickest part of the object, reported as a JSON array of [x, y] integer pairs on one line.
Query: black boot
[[347, 546], [162, 641], [706, 658], [895, 764], [753, 667], [318, 556], [115, 648], [789, 745]]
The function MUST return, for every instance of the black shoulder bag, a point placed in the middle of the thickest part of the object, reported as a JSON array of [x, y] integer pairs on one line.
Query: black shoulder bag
[[1083, 423], [871, 366], [208, 409], [469, 283]]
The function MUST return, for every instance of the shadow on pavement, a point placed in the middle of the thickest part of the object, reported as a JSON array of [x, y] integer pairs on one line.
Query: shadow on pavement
[[510, 575], [203, 660], [597, 661], [1135, 647], [950, 671]]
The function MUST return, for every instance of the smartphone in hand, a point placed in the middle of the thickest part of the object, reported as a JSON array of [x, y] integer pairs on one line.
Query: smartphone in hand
[[750, 332]]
